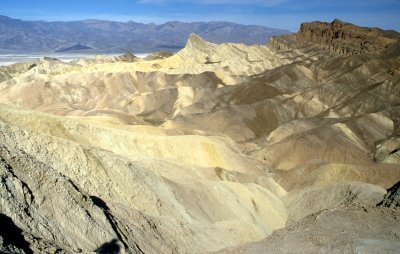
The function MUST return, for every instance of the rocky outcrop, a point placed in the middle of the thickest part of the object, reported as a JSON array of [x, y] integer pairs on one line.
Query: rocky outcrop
[[392, 198], [388, 150], [158, 55], [354, 229], [77, 193], [36, 204], [348, 39]]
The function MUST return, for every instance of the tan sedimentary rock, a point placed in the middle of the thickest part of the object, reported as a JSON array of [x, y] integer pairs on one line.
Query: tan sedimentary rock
[[210, 148], [338, 230]]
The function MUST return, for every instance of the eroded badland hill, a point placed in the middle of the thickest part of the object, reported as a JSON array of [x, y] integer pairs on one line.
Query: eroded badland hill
[[291, 145]]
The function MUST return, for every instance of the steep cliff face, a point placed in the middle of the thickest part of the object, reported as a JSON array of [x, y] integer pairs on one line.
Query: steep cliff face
[[345, 38], [392, 198]]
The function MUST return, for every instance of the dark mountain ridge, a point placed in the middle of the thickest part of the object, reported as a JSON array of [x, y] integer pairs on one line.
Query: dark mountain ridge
[[111, 36]]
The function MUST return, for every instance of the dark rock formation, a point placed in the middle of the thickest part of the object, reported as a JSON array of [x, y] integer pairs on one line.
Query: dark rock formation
[[346, 38], [392, 198], [158, 55]]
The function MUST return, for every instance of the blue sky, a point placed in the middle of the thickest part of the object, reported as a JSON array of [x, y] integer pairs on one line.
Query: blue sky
[[287, 14]]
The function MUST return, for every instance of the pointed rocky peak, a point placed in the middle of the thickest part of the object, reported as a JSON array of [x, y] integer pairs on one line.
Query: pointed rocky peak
[[5, 18], [195, 41], [337, 21], [127, 57]]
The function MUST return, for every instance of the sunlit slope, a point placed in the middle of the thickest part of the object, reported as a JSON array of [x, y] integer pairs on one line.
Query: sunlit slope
[[148, 180], [212, 147]]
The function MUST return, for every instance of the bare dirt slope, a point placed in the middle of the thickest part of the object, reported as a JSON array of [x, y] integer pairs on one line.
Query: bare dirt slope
[[212, 148], [354, 229]]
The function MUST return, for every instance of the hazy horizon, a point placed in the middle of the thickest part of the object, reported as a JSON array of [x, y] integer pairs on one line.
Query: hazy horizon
[[9, 59]]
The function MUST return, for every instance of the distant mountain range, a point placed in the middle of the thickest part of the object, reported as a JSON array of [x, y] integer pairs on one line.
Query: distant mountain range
[[109, 36]]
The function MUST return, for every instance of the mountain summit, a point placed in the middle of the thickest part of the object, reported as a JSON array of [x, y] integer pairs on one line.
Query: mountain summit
[[346, 38], [110, 36]]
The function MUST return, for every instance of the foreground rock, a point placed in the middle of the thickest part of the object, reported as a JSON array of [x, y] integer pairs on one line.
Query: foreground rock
[[392, 198], [55, 186], [340, 230]]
